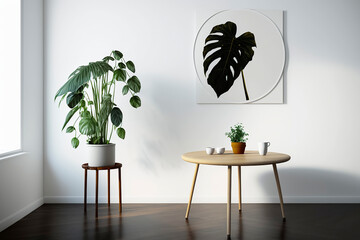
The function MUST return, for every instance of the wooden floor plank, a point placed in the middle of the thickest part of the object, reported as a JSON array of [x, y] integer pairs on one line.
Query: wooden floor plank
[[207, 221]]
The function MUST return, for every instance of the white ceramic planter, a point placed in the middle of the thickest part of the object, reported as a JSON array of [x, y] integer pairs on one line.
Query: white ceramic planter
[[100, 155]]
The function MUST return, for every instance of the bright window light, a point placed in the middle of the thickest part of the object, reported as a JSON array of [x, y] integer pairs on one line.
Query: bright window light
[[10, 76]]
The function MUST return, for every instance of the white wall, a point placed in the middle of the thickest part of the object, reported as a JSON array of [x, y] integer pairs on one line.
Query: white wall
[[21, 176], [318, 124]]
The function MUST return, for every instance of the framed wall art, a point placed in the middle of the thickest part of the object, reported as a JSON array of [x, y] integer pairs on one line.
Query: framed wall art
[[239, 57]]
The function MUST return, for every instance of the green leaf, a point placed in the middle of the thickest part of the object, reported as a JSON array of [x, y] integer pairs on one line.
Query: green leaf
[[87, 126], [135, 101], [108, 58], [85, 114], [120, 75], [62, 98], [95, 140], [117, 55], [121, 65], [90, 103], [105, 109], [73, 99], [230, 53], [81, 88], [121, 133], [130, 65], [75, 142], [82, 75], [70, 129], [116, 116], [82, 103], [125, 90], [134, 84], [69, 115], [237, 133], [106, 97]]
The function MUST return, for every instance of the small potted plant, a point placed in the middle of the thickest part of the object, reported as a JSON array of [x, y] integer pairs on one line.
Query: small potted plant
[[238, 138], [90, 95]]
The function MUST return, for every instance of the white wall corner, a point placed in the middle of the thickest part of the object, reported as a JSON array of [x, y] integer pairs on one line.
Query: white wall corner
[[13, 218]]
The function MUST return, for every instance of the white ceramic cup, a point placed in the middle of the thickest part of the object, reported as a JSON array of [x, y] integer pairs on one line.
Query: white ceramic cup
[[263, 147], [210, 150], [220, 150]]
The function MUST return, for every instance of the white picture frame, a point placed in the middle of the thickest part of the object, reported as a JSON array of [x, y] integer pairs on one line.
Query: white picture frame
[[263, 74]]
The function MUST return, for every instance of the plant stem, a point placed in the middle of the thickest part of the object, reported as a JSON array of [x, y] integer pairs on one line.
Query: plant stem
[[76, 120], [95, 100], [246, 93], [97, 97], [112, 129], [90, 106]]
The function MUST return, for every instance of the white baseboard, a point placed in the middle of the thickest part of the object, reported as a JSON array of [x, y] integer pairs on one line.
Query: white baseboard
[[320, 199], [13, 218], [76, 199], [205, 199]]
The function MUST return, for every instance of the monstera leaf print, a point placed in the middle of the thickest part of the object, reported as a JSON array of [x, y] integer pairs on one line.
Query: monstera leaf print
[[230, 54]]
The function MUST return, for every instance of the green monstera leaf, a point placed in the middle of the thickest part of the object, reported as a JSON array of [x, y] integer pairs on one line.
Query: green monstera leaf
[[82, 75], [73, 99], [229, 53], [121, 133], [116, 116], [105, 110], [75, 142], [87, 126]]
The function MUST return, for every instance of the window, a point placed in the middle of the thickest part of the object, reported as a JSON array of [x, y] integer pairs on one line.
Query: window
[[10, 76]]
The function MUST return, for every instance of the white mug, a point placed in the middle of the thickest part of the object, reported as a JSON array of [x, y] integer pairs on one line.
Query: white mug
[[220, 150], [263, 147], [210, 150]]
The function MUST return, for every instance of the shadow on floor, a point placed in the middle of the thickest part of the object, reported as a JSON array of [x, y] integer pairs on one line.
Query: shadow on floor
[[312, 185]]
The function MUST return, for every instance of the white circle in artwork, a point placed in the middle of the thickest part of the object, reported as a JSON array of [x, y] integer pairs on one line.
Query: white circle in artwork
[[263, 72]]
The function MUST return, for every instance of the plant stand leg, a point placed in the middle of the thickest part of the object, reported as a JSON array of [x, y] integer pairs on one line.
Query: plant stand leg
[[85, 190], [192, 191], [279, 191], [108, 187], [97, 193], [120, 201]]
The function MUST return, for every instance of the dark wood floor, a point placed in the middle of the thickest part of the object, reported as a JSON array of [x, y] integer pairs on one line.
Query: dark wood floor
[[206, 221]]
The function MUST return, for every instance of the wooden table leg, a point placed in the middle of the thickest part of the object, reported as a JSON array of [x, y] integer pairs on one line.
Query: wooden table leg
[[97, 193], [279, 191], [239, 180], [108, 187], [192, 191], [120, 201], [85, 190], [228, 222]]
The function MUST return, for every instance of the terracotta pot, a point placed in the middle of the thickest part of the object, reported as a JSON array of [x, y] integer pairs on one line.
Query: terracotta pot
[[100, 155], [238, 147]]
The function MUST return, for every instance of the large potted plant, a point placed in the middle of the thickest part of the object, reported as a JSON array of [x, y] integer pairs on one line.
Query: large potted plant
[[90, 94], [238, 138]]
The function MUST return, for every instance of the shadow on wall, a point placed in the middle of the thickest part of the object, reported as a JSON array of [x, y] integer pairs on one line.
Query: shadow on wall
[[164, 117], [313, 185]]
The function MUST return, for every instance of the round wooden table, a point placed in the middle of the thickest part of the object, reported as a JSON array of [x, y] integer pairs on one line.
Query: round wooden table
[[108, 168], [250, 158]]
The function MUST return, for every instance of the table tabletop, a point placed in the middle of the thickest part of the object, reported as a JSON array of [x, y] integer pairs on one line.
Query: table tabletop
[[249, 158]]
